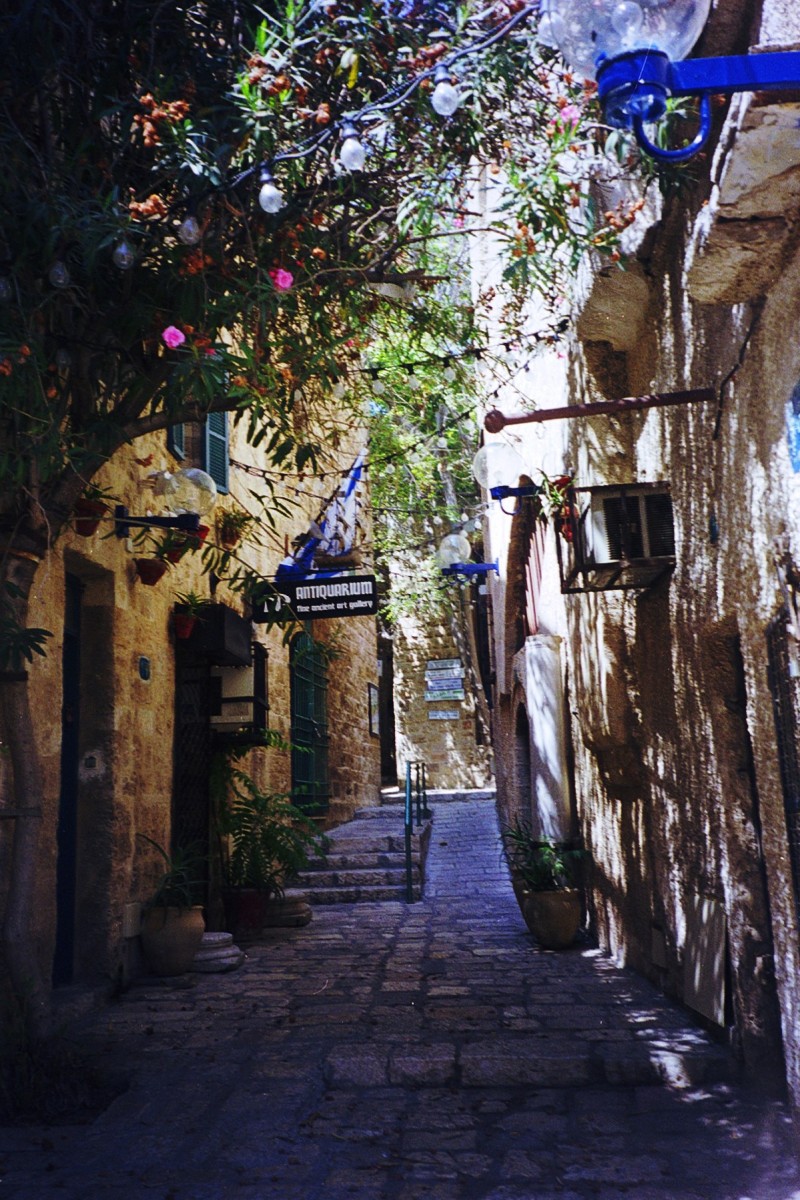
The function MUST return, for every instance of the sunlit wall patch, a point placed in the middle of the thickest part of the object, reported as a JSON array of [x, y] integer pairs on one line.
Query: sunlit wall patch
[[793, 427]]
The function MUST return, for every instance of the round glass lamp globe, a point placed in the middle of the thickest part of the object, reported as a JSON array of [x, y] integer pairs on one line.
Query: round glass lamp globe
[[454, 548], [498, 463], [191, 491], [588, 33]]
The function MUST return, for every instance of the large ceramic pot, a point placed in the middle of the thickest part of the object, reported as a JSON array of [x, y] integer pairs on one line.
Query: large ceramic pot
[[171, 937], [553, 917]]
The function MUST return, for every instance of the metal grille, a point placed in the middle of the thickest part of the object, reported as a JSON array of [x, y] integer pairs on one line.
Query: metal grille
[[309, 695], [190, 802], [783, 684]]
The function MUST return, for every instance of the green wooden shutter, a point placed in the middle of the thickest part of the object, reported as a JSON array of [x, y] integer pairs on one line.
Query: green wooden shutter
[[215, 449]]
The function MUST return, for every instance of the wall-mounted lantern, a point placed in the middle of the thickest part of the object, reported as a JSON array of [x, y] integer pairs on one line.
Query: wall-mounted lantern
[[453, 555], [634, 50], [188, 494]]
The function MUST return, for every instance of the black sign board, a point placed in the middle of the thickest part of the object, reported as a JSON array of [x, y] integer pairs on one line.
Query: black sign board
[[310, 598]]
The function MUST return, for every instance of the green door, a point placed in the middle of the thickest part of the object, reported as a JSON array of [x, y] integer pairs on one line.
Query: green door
[[309, 694]]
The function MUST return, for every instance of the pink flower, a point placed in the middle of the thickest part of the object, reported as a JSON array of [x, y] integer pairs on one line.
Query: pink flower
[[570, 114], [173, 337], [282, 280]]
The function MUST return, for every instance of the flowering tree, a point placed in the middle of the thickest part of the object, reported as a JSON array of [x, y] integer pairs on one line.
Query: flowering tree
[[198, 203]]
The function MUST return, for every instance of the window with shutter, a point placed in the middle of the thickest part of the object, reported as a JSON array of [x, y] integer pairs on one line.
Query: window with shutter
[[176, 441], [215, 449]]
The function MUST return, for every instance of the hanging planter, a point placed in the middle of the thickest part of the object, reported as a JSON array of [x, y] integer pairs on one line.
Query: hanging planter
[[195, 540], [184, 624], [150, 570], [88, 515]]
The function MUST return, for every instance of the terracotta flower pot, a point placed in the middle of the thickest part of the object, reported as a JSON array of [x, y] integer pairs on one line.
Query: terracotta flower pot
[[150, 570], [196, 539], [184, 623], [88, 514], [176, 553]]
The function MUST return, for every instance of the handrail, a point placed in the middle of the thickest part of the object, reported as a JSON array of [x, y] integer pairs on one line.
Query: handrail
[[408, 824], [416, 797]]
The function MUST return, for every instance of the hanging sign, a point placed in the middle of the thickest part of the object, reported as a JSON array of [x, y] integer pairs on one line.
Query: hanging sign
[[342, 596]]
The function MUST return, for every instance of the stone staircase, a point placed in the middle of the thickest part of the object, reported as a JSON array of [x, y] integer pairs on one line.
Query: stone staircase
[[365, 861]]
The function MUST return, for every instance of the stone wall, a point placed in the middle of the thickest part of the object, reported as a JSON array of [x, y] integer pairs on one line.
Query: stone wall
[[677, 773], [451, 748], [125, 713]]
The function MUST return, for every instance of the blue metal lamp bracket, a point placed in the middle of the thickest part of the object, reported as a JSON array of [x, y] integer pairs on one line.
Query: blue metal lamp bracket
[[468, 569], [633, 88], [502, 492]]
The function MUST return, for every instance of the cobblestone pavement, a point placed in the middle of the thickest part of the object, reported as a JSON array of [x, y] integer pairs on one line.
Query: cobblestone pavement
[[416, 1051]]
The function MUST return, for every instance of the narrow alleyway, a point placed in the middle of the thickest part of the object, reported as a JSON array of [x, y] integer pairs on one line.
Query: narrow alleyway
[[411, 1051]]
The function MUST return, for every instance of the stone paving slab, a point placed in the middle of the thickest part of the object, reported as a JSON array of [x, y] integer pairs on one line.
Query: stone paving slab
[[426, 1052]]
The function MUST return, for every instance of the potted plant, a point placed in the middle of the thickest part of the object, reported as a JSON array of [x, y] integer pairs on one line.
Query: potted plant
[[188, 610], [552, 905], [89, 510], [172, 920], [517, 841], [231, 524], [265, 841]]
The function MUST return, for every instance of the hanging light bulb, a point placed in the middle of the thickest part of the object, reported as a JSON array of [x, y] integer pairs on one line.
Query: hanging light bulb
[[445, 98], [269, 196], [63, 358], [449, 373], [414, 382], [378, 386], [59, 274], [6, 289], [123, 255], [352, 154], [189, 231]]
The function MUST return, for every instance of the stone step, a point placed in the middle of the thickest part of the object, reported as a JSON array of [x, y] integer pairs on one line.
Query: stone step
[[392, 797], [353, 860], [369, 845], [359, 877], [352, 895]]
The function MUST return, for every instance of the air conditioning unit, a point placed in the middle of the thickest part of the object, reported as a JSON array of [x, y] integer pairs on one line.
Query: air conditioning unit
[[625, 537]]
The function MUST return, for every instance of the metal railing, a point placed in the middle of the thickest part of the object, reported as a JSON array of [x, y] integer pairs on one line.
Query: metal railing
[[416, 797]]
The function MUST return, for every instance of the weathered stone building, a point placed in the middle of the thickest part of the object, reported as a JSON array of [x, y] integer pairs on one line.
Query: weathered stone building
[[670, 709], [125, 708]]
